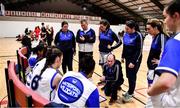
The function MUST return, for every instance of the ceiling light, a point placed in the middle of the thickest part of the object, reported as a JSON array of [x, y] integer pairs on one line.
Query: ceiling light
[[140, 8], [84, 8]]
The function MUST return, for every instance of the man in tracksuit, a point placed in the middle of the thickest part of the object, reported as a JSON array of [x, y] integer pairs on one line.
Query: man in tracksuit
[[85, 38], [112, 74]]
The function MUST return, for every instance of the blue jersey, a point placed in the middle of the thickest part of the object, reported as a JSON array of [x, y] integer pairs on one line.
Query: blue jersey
[[65, 40], [75, 90], [87, 44], [89, 36], [132, 46], [170, 62], [107, 38], [157, 46]]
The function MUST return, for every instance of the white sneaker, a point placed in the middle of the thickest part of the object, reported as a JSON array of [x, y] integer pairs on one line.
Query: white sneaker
[[127, 97]]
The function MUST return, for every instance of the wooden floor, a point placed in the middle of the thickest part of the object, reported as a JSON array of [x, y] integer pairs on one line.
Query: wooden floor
[[8, 47]]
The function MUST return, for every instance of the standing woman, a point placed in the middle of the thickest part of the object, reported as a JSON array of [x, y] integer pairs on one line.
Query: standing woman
[[48, 35], [43, 33], [132, 53], [51, 35], [65, 41], [165, 90], [155, 28], [106, 40]]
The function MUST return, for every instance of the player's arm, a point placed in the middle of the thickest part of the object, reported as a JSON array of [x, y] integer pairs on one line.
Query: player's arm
[[164, 83]]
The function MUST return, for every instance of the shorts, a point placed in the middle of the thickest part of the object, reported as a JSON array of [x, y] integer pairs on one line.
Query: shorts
[[103, 57]]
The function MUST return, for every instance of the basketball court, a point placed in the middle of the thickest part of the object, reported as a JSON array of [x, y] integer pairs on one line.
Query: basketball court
[[16, 15], [8, 52]]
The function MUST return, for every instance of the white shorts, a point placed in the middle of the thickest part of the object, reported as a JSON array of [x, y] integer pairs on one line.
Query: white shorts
[[103, 58]]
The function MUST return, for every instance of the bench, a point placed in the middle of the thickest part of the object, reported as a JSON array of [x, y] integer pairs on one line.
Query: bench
[[18, 93]]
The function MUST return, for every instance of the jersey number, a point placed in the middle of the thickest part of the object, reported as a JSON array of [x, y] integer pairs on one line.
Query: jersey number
[[35, 82]]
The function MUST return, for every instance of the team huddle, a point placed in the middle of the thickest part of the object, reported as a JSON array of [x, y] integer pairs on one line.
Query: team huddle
[[75, 89]]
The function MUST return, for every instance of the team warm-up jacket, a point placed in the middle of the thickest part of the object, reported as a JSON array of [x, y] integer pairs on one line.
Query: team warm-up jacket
[[132, 47], [157, 46], [87, 44], [107, 38], [76, 91], [65, 41], [113, 73]]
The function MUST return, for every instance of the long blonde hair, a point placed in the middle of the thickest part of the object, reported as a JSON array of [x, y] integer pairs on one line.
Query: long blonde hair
[[158, 24]]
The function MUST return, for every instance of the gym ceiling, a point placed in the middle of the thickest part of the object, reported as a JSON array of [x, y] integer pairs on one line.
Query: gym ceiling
[[116, 11]]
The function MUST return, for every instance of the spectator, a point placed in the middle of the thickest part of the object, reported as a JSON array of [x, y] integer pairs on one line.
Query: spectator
[[43, 33], [26, 42], [37, 32]]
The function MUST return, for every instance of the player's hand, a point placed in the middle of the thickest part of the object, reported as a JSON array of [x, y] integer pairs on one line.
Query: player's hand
[[131, 65], [82, 38], [102, 78]]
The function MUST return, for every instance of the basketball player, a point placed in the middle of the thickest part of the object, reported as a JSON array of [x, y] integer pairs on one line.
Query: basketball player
[[76, 90]]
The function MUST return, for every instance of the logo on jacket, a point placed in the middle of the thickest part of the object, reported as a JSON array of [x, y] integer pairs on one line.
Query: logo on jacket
[[70, 89]]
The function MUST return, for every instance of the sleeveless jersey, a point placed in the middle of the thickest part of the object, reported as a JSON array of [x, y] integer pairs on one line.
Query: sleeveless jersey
[[45, 87], [36, 70]]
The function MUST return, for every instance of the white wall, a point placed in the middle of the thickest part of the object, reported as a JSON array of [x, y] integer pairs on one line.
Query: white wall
[[13, 28]]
